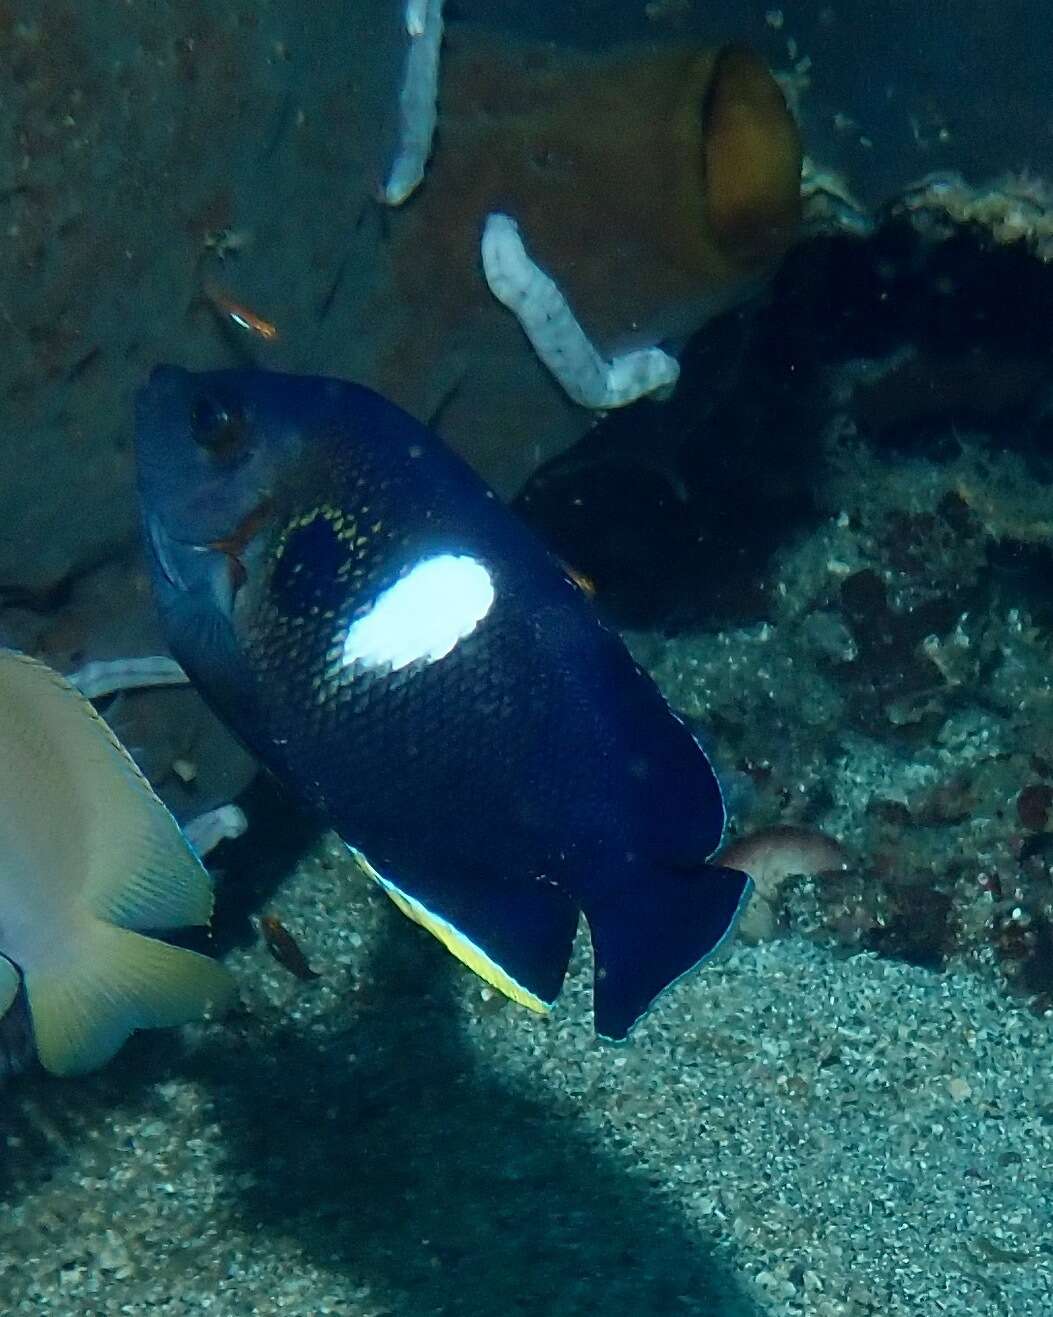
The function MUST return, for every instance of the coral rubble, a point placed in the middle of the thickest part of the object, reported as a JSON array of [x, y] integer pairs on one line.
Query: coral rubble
[[849, 540]]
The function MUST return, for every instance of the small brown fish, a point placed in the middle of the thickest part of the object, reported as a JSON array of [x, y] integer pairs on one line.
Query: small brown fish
[[772, 855], [242, 316], [584, 583], [285, 949]]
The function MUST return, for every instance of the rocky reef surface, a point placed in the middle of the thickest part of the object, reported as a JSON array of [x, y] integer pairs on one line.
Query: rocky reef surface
[[841, 529]]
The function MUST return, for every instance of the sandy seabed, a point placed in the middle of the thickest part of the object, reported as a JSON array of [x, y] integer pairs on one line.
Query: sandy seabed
[[792, 1131]]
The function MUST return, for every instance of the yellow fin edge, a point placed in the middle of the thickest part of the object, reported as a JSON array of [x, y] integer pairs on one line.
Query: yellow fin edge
[[454, 941]]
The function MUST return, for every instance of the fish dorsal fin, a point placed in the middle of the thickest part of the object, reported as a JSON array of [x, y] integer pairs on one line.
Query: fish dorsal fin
[[10, 980], [81, 807]]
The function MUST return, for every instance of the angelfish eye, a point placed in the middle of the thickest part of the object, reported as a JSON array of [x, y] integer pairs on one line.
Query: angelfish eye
[[218, 427]]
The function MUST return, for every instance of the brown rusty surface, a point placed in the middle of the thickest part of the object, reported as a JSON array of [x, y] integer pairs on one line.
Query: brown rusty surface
[[129, 136]]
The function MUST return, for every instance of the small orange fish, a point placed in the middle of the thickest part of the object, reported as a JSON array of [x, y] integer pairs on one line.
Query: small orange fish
[[584, 583], [241, 315], [284, 948]]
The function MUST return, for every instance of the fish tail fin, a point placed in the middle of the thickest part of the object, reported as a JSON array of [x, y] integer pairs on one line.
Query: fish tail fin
[[116, 982], [655, 932]]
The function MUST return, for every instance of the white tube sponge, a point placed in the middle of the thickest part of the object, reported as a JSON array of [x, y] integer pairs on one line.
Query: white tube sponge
[[416, 17], [554, 333], [418, 100], [206, 831], [108, 676]]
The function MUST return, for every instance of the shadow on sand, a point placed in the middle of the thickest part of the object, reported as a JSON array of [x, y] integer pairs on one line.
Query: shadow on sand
[[391, 1153]]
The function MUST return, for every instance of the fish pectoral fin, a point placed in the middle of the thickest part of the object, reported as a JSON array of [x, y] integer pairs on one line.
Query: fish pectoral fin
[[117, 982], [517, 937], [651, 934], [10, 980]]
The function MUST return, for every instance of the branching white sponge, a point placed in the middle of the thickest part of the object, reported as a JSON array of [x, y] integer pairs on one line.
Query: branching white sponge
[[554, 333], [418, 100]]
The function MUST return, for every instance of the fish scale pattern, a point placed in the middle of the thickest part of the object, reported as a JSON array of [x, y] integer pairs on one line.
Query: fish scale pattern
[[401, 744]]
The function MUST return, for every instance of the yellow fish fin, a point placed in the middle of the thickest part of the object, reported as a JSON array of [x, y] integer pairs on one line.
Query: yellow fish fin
[[119, 981]]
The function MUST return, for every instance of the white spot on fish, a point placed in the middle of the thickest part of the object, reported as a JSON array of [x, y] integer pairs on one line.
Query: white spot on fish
[[423, 615]]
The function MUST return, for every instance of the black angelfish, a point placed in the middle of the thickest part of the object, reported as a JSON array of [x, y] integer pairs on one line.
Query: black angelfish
[[398, 649]]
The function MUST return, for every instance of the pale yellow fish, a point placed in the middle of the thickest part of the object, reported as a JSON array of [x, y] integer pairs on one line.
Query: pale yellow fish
[[89, 855]]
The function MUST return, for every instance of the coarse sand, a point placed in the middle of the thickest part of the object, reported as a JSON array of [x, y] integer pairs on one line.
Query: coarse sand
[[791, 1131]]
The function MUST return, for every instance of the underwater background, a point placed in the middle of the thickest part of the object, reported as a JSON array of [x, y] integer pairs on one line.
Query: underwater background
[[830, 546]]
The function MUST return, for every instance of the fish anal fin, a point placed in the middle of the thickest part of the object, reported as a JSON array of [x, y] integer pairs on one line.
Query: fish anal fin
[[118, 982], [517, 940]]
